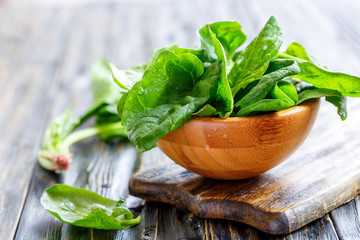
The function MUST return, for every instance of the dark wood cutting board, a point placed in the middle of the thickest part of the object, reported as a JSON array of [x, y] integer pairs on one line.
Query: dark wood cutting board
[[276, 204], [322, 175]]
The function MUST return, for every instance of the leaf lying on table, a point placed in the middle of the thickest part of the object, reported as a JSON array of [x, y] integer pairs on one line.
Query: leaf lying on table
[[84, 208]]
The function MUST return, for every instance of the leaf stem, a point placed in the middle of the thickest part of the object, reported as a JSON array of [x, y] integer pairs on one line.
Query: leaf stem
[[82, 134]]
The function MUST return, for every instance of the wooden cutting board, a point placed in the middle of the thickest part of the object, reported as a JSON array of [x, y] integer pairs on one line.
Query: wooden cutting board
[[322, 175]]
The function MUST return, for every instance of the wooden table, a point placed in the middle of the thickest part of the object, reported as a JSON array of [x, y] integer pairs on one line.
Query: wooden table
[[45, 55]]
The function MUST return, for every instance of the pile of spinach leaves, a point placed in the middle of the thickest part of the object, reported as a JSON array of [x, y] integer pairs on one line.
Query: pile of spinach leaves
[[219, 80]]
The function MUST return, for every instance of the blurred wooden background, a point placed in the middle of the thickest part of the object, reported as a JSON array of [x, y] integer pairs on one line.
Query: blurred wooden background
[[46, 49]]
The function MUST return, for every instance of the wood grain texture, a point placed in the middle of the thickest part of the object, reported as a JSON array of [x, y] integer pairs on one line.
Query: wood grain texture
[[45, 56], [239, 147], [104, 169], [347, 229], [280, 201], [11, 202]]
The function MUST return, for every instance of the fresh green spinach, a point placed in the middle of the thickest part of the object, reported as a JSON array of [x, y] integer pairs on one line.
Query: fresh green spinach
[[278, 70], [220, 40], [172, 89], [219, 80], [253, 61], [84, 208]]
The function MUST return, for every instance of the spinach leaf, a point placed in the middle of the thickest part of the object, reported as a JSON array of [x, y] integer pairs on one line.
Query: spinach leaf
[[103, 87], [225, 35], [83, 208], [220, 40], [177, 50], [312, 92], [316, 74], [278, 69], [168, 79], [105, 93], [151, 117], [198, 53], [53, 155], [340, 103], [331, 96], [253, 61], [206, 111], [285, 90], [321, 78], [121, 104], [265, 105], [127, 78], [297, 50]]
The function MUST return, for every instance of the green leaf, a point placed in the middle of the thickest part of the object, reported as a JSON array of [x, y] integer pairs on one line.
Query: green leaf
[[53, 141], [347, 85], [226, 34], [107, 114], [296, 50], [252, 63], [121, 104], [206, 111], [312, 92], [102, 85], [224, 101], [220, 40], [340, 103], [284, 90], [265, 105], [315, 73], [150, 117], [330, 85], [158, 51], [278, 69], [177, 50], [198, 53], [105, 92], [83, 208], [125, 79], [168, 79], [331, 96]]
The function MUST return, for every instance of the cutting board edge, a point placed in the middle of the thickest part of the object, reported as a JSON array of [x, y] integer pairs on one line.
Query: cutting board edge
[[278, 220], [352, 191]]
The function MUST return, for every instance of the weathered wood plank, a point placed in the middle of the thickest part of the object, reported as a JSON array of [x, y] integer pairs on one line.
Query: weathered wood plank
[[320, 229], [14, 183], [103, 168], [346, 220], [315, 159], [45, 60]]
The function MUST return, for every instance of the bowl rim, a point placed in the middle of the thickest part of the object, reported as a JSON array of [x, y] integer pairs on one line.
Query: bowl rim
[[272, 115]]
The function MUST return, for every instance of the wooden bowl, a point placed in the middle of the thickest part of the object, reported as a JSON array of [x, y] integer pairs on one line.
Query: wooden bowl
[[239, 147]]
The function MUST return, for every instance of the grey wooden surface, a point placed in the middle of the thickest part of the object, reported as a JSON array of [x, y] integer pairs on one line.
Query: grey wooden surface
[[45, 54]]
